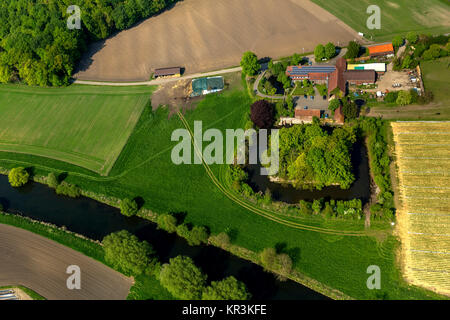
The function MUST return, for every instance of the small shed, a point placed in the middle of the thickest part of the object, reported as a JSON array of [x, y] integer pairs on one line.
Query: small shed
[[167, 72]]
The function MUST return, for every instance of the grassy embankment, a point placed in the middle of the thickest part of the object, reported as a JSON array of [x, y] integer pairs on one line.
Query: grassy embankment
[[397, 17], [145, 169]]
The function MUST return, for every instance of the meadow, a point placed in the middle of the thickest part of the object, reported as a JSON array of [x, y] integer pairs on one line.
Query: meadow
[[81, 125], [398, 17], [422, 150], [144, 169]]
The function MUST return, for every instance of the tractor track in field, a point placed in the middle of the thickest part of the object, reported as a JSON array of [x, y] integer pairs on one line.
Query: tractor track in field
[[263, 212]]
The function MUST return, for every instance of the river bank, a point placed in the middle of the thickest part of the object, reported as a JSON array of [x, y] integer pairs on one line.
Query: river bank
[[214, 261]]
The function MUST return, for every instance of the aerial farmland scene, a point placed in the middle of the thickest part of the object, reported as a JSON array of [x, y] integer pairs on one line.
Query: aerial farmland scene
[[184, 152]]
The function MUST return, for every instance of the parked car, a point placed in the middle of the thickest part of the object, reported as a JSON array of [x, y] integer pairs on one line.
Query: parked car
[[324, 97], [305, 108], [312, 97], [305, 96]]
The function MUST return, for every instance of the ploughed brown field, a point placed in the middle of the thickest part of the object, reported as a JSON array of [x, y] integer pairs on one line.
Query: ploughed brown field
[[40, 264], [204, 35]]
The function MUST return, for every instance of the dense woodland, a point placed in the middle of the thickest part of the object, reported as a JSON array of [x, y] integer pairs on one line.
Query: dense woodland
[[309, 154], [36, 46]]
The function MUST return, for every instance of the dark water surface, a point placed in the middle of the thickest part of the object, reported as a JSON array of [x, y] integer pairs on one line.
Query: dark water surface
[[96, 220], [360, 189]]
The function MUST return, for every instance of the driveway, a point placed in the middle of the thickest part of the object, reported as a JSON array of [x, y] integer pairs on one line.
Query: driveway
[[40, 264]]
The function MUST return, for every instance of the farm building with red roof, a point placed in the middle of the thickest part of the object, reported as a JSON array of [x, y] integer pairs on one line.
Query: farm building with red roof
[[381, 50]]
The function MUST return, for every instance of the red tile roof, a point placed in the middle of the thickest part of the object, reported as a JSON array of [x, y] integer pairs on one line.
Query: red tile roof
[[300, 113], [381, 48]]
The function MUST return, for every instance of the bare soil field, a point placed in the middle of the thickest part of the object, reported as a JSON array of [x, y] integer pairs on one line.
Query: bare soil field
[[209, 35], [40, 264]]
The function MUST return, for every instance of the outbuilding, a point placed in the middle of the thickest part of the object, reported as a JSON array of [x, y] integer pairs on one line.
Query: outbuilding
[[167, 72]]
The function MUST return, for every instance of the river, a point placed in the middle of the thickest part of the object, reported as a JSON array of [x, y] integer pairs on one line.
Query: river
[[96, 220]]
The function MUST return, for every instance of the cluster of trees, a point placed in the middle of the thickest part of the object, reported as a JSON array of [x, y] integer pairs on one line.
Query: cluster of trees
[[18, 177], [184, 280], [63, 188], [181, 277], [38, 48], [351, 209], [375, 130], [195, 236], [281, 263], [325, 52], [406, 97], [422, 47], [310, 156]]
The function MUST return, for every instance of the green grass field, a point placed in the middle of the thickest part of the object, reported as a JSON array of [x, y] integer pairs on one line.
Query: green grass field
[[397, 16], [82, 125], [436, 77], [145, 169]]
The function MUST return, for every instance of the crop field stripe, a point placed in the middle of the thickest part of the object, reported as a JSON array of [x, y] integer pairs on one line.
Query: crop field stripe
[[264, 213], [424, 215]]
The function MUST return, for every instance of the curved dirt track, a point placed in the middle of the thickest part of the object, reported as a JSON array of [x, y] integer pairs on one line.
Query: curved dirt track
[[40, 264], [205, 35]]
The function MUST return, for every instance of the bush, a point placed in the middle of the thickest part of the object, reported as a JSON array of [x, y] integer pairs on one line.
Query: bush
[[222, 239], [398, 41], [128, 207], [183, 231], [67, 189], [182, 278], [238, 174], [198, 235], [334, 104], [167, 222], [391, 97], [404, 98], [127, 254], [412, 37], [52, 180], [227, 289], [350, 109], [18, 177]]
